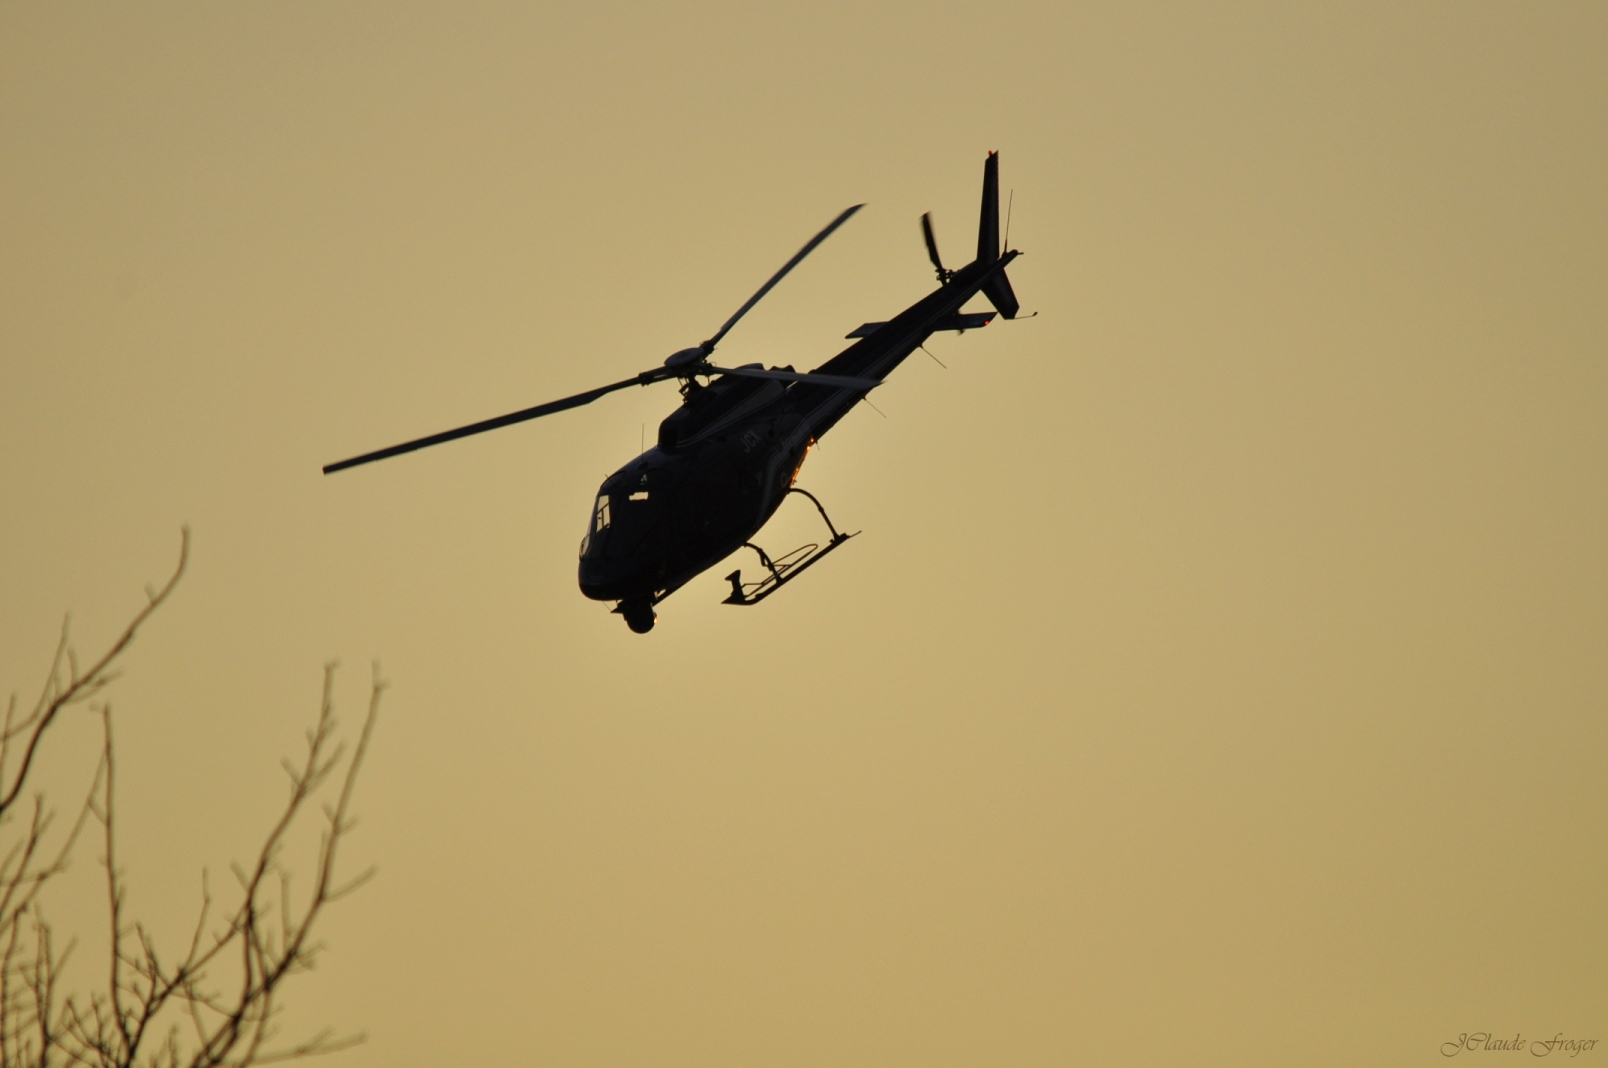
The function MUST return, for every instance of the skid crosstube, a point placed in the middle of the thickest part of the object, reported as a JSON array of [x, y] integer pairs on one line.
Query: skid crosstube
[[786, 568]]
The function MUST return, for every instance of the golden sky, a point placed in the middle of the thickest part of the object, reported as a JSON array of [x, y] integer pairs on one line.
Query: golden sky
[[1219, 680]]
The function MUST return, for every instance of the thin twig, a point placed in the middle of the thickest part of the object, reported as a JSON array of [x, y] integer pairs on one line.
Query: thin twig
[[82, 687], [118, 1027]]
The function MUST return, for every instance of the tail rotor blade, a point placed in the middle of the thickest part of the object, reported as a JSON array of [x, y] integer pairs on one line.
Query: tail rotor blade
[[932, 246]]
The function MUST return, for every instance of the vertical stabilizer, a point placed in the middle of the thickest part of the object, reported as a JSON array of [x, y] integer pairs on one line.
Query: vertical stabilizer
[[988, 227], [997, 288]]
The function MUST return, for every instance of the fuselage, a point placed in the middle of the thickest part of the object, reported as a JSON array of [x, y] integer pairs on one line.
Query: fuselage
[[727, 456]]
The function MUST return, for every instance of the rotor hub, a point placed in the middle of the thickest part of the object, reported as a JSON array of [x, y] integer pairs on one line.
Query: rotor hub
[[686, 358]]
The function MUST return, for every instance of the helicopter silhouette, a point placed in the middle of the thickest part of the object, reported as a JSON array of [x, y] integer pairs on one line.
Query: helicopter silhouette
[[727, 458]]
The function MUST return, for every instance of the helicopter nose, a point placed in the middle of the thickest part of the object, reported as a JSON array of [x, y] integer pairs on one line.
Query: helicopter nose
[[617, 579]]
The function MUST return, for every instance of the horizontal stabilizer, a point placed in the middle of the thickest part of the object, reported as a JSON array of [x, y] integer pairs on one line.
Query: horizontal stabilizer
[[964, 321], [957, 321]]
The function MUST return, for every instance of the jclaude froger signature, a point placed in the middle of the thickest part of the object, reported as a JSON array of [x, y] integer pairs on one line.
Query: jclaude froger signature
[[1481, 1041]]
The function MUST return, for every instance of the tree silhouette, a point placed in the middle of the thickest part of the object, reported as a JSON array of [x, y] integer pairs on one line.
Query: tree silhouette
[[214, 1004]]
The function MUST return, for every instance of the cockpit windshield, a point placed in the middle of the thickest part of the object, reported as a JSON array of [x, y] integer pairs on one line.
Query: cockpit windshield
[[600, 522]]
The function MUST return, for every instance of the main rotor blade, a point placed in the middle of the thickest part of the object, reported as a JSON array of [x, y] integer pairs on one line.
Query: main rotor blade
[[709, 346], [808, 378], [500, 421], [932, 243], [842, 381]]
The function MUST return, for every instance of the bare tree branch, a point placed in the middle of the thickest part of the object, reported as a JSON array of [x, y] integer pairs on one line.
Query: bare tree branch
[[60, 691], [154, 1014]]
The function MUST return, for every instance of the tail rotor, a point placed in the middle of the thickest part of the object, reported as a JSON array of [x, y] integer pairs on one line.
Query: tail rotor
[[944, 273]]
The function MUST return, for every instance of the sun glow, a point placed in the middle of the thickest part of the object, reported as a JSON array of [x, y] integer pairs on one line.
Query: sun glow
[[794, 480]]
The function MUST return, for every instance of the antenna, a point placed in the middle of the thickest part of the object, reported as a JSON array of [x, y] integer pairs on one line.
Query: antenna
[[1009, 204]]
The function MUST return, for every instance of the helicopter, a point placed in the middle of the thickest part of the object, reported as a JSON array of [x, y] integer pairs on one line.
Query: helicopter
[[730, 454]]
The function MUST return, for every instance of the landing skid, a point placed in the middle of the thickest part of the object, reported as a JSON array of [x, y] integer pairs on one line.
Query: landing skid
[[783, 569]]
